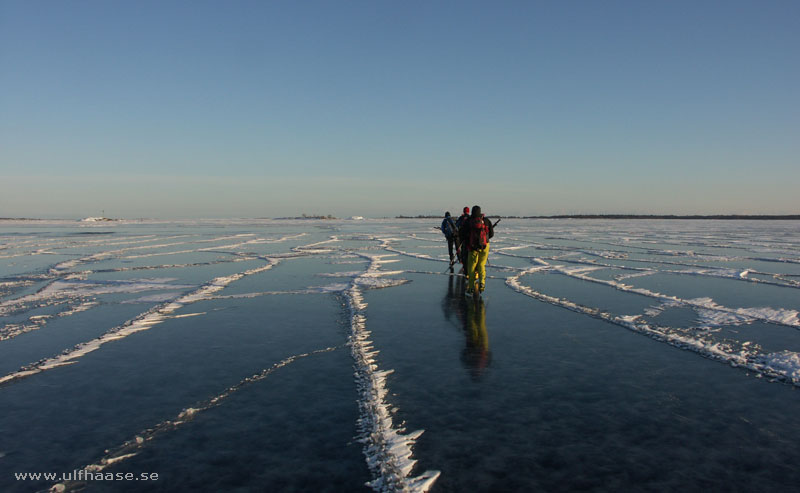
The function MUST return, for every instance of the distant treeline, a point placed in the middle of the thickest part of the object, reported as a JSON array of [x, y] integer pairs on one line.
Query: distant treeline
[[309, 216], [635, 216], [667, 216]]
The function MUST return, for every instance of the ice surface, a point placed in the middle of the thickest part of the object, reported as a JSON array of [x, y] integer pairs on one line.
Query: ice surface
[[130, 448], [143, 322], [370, 270]]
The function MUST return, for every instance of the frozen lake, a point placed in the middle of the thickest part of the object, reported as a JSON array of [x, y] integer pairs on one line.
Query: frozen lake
[[343, 356]]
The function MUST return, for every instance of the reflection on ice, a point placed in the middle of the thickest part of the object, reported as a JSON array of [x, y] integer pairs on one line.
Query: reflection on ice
[[470, 316]]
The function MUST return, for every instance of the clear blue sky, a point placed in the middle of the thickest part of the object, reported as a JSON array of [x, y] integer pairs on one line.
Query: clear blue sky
[[270, 108]]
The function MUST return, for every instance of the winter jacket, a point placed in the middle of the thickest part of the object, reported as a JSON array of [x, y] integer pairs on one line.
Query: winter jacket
[[464, 232], [452, 230]]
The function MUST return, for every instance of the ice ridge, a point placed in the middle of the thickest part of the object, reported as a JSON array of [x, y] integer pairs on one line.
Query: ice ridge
[[143, 322], [387, 450]]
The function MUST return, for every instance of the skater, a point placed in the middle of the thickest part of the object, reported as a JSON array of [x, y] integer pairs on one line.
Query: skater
[[477, 232], [450, 232], [462, 257]]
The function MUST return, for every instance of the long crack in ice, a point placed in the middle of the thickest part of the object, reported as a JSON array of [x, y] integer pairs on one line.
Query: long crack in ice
[[387, 449]]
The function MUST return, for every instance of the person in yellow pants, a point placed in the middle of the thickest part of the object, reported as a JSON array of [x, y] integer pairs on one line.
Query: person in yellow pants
[[476, 232], [476, 267]]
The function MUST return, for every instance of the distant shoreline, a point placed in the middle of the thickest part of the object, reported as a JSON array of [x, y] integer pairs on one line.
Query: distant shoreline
[[758, 217]]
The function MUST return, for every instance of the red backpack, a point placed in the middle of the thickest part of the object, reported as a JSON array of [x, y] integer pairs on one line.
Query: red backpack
[[478, 234]]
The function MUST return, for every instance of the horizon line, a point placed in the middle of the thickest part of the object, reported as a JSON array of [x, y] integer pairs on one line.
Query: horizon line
[[101, 219]]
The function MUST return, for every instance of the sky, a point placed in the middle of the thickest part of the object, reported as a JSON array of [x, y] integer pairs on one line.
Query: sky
[[271, 108]]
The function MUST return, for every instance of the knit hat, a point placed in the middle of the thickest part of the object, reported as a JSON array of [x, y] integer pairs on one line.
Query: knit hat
[[466, 210]]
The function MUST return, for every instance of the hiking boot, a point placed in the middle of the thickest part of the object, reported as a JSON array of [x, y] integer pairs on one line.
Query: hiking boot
[[482, 287]]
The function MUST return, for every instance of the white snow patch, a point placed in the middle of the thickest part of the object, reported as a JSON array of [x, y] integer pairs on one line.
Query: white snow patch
[[784, 363], [774, 315], [575, 270], [187, 315], [622, 277], [79, 288], [354, 273], [377, 283], [711, 318]]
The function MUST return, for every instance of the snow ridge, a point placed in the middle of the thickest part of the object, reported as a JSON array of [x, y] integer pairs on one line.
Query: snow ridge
[[143, 322], [387, 449], [783, 366]]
